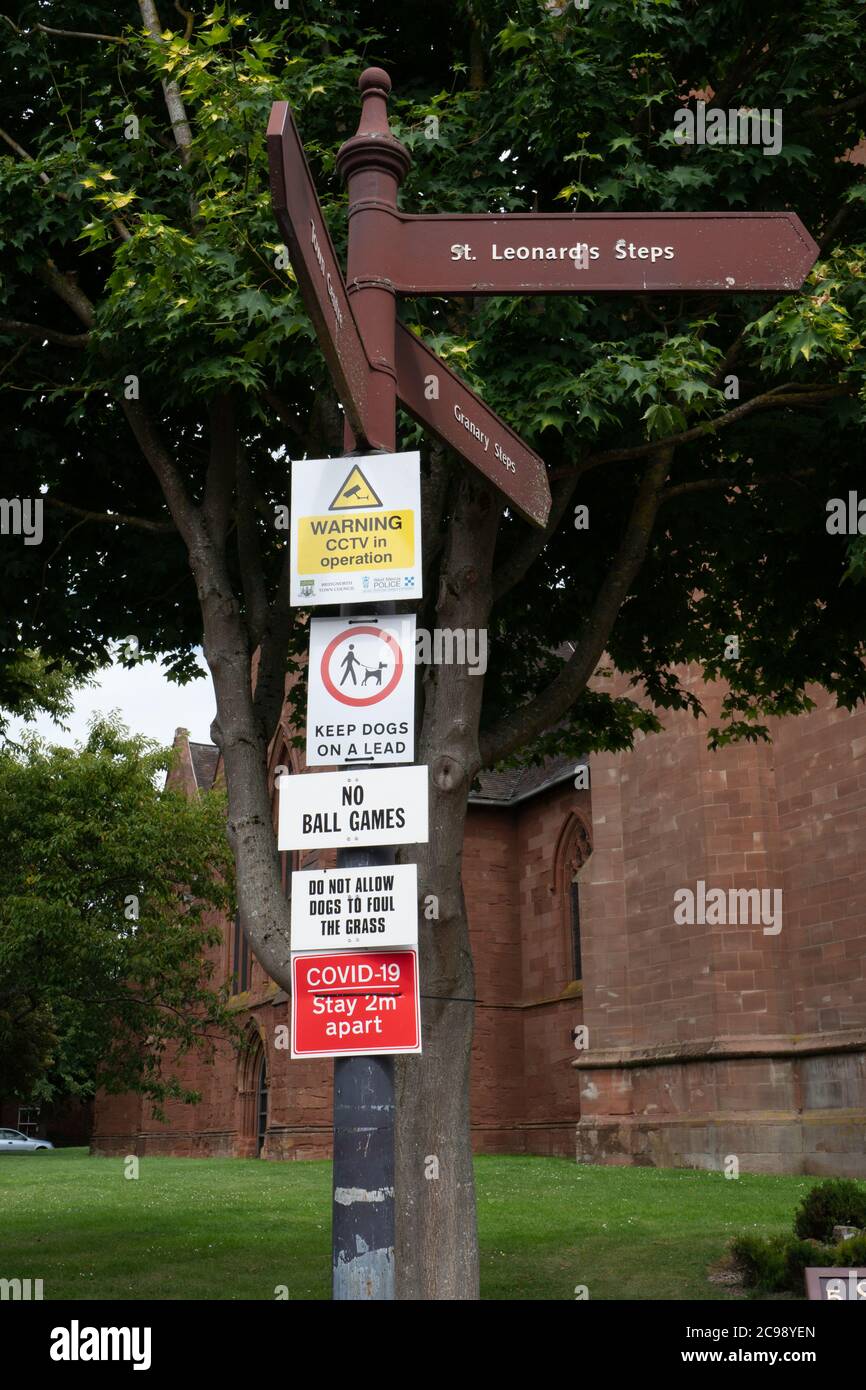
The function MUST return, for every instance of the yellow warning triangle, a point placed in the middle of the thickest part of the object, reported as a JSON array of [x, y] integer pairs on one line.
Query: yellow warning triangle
[[355, 492]]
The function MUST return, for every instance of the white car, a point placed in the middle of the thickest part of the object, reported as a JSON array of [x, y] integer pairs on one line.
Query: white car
[[12, 1141]]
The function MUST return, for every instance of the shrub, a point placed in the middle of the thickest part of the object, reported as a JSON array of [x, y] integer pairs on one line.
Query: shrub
[[777, 1264], [837, 1202], [762, 1261], [800, 1255], [851, 1252]]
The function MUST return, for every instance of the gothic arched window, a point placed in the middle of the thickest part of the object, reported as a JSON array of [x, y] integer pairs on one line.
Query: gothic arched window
[[242, 958], [572, 851]]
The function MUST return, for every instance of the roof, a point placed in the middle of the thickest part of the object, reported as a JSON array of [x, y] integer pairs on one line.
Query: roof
[[515, 784], [205, 757], [500, 788]]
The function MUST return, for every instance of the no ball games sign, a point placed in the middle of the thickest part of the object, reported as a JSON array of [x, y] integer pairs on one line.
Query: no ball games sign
[[333, 810], [356, 529], [355, 908], [361, 690]]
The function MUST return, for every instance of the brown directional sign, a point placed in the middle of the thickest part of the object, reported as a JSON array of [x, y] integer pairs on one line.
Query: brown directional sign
[[835, 1285], [319, 276], [440, 401], [573, 253], [487, 253]]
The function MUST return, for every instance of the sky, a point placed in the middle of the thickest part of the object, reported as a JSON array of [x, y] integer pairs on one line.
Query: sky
[[147, 702]]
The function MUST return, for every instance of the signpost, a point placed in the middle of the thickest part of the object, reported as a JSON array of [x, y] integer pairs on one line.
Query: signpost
[[356, 529], [593, 252], [317, 270], [356, 539], [354, 908], [437, 398], [355, 1005], [361, 690], [391, 253], [835, 1285]]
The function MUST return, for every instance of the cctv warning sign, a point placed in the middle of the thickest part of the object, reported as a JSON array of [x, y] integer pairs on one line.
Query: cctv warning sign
[[352, 1005], [355, 492], [356, 529]]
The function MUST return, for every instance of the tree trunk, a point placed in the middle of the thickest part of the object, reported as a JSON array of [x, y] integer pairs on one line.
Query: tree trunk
[[437, 1248], [243, 744]]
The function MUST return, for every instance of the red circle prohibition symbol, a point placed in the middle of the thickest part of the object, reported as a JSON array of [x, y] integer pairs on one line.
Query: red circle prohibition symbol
[[362, 700]]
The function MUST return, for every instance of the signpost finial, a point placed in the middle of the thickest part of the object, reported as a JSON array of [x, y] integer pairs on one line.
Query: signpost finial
[[373, 146]]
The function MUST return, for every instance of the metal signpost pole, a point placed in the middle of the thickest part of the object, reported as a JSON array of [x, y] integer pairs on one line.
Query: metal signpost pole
[[362, 1229], [373, 163], [374, 361]]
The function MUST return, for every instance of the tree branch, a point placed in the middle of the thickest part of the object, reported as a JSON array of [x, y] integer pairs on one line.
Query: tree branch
[[20, 151], [66, 289], [834, 226], [435, 487], [40, 334], [769, 400], [219, 484], [698, 485], [284, 416], [535, 718], [249, 554], [78, 34], [187, 16], [56, 551], [120, 227], [512, 570], [170, 90], [114, 518], [710, 484], [270, 693], [743, 69], [729, 359], [822, 112], [184, 513]]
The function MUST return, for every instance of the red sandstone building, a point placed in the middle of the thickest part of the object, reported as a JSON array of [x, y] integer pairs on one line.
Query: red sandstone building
[[703, 1039]]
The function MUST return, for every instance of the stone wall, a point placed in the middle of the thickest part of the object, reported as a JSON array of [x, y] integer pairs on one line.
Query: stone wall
[[705, 1040], [709, 1040], [524, 1091]]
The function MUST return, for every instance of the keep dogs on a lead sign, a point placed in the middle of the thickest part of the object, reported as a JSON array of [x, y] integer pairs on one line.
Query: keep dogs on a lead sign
[[356, 529], [361, 690]]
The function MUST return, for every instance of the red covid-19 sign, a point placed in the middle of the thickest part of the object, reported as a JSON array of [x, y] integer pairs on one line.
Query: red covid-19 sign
[[353, 1005]]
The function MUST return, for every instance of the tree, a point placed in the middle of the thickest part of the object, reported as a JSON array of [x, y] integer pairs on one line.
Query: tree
[[164, 373], [105, 887], [30, 685]]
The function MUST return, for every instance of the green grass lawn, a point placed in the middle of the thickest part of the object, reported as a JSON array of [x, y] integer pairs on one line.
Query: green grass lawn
[[237, 1228]]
